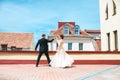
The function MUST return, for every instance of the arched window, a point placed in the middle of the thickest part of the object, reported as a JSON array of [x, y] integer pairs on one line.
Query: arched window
[[114, 8], [76, 30], [106, 11], [66, 30]]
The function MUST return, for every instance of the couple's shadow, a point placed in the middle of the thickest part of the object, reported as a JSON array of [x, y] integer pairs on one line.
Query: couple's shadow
[[73, 66]]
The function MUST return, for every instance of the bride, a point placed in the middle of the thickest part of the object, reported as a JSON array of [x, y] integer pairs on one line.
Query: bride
[[61, 58]]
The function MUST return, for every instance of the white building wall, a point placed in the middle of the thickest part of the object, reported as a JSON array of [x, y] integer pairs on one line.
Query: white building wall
[[65, 46], [110, 25], [87, 45], [54, 45], [49, 46], [75, 46]]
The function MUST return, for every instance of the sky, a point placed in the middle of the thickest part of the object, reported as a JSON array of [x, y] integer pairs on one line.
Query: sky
[[42, 16]]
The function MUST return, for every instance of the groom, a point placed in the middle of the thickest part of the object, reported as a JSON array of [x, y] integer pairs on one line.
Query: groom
[[43, 48]]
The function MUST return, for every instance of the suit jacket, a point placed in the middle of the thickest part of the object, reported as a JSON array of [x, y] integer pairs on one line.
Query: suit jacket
[[43, 44]]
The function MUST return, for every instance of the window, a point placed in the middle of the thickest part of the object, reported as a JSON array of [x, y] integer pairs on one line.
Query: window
[[66, 29], [4, 46], [56, 45], [13, 48], [80, 46], [114, 8], [106, 11], [19, 49], [69, 46], [116, 40], [108, 36], [76, 30]]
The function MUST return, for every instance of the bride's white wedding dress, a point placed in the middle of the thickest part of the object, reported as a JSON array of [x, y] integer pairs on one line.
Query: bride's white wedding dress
[[61, 58]]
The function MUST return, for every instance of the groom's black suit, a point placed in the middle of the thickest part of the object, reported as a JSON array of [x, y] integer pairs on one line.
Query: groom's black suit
[[43, 48]]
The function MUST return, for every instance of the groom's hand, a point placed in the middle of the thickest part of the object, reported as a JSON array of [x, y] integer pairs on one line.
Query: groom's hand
[[52, 39]]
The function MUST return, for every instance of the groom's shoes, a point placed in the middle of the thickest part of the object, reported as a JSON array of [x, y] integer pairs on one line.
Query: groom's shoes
[[49, 65], [36, 65]]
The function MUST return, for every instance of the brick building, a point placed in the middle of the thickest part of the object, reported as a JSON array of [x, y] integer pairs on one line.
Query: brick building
[[16, 41]]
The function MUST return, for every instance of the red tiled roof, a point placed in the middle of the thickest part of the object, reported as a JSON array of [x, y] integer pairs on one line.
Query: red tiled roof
[[59, 31], [83, 33], [20, 40], [92, 31], [60, 24]]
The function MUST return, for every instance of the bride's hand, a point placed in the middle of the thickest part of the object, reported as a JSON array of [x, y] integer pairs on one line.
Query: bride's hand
[[56, 37], [58, 48]]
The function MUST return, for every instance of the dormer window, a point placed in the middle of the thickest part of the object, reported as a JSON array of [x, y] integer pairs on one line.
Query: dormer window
[[4, 46], [76, 30], [66, 30], [13, 48]]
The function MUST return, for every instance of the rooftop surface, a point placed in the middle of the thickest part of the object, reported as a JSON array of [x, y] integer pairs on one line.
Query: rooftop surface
[[44, 72]]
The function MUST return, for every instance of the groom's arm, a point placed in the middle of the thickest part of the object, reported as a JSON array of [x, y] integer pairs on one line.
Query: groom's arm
[[50, 40], [36, 45]]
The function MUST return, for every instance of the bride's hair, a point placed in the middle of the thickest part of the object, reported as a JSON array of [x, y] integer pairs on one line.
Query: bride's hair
[[61, 36]]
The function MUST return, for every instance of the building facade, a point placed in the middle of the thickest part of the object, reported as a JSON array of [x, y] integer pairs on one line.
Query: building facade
[[16, 41], [75, 39], [110, 25]]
